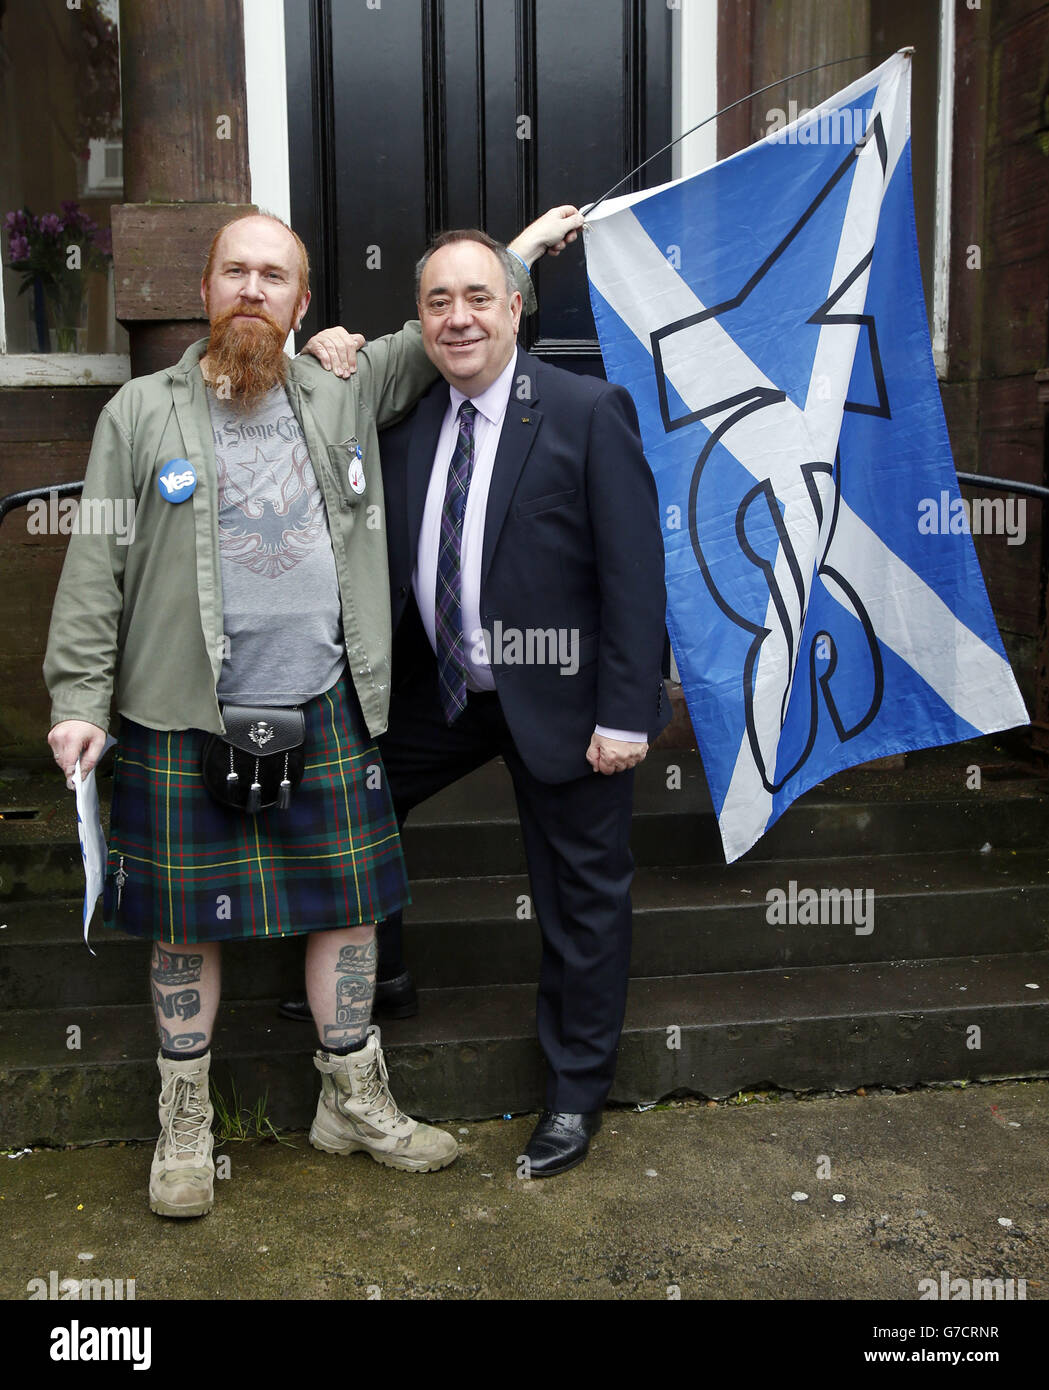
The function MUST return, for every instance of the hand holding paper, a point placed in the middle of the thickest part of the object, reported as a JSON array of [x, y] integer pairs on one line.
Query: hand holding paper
[[89, 828], [74, 739]]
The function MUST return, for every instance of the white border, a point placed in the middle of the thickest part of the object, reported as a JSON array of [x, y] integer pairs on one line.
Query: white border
[[695, 96], [65, 369], [267, 98], [941, 282], [265, 78]]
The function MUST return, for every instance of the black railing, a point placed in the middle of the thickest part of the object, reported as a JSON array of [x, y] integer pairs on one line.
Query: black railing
[[1005, 485], [22, 499]]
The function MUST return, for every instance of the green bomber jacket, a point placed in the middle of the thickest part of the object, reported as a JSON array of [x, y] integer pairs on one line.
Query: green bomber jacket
[[143, 621], [140, 625]]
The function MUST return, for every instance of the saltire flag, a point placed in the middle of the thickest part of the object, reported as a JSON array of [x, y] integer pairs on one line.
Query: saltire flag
[[767, 316]]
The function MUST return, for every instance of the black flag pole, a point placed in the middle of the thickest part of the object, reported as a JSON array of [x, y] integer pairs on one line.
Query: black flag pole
[[836, 62]]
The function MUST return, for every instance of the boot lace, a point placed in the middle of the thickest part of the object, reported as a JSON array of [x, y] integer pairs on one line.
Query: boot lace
[[187, 1117], [375, 1092]]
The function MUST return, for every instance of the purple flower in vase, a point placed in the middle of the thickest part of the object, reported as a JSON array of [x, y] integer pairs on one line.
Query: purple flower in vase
[[18, 223], [76, 221], [38, 250]]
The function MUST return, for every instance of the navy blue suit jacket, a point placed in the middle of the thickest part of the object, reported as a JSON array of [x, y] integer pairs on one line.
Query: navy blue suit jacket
[[572, 543]]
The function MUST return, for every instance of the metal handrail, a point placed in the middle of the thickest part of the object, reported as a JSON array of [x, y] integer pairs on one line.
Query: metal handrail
[[22, 499], [1005, 485]]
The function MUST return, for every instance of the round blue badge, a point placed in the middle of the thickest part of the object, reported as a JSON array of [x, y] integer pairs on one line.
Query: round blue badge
[[177, 480]]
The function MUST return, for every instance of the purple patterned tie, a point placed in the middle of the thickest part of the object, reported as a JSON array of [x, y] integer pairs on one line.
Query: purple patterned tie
[[448, 628]]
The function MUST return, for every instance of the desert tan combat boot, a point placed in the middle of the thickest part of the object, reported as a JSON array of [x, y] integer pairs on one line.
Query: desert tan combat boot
[[356, 1111], [182, 1178]]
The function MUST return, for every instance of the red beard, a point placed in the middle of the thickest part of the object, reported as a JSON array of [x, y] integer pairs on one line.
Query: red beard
[[246, 359]]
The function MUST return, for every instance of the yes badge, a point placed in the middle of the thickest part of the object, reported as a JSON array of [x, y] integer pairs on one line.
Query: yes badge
[[177, 480], [355, 472]]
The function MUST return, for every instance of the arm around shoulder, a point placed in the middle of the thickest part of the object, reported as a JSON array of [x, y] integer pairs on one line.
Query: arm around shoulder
[[393, 372]]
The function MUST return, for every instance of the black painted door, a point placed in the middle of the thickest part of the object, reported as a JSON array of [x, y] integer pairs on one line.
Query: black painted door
[[408, 117]]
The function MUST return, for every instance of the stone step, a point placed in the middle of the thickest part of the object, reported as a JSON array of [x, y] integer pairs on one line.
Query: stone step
[[471, 1053], [713, 918], [472, 827], [466, 932]]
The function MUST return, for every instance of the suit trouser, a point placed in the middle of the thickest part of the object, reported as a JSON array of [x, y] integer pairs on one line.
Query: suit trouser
[[577, 842]]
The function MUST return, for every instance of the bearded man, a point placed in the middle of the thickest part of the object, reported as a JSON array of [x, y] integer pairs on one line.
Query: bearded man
[[244, 640]]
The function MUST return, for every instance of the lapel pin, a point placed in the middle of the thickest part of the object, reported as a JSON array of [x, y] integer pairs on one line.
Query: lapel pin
[[178, 482]]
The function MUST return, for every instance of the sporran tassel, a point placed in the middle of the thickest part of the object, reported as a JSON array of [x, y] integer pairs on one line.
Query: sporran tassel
[[255, 794], [284, 795]]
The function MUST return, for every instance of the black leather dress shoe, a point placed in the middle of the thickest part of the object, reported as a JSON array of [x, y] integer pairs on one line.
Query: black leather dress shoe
[[560, 1140], [394, 998]]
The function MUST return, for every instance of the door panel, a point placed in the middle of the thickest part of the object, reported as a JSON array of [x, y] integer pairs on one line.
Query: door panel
[[417, 115]]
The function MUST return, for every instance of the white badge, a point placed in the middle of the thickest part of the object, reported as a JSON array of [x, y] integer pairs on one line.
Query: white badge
[[355, 472]]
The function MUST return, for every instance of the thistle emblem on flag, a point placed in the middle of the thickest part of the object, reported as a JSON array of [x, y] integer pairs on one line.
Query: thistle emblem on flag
[[768, 317]]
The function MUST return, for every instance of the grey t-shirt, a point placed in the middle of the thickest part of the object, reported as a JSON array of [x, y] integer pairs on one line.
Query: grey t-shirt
[[280, 591]]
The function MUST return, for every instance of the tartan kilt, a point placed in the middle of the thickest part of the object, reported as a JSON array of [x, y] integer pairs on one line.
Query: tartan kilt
[[196, 871]]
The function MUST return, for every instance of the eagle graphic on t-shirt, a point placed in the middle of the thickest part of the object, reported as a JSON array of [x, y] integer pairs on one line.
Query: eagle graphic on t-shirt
[[271, 513]]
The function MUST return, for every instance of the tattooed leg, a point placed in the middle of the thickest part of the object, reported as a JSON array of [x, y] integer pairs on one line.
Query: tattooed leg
[[340, 984], [185, 983]]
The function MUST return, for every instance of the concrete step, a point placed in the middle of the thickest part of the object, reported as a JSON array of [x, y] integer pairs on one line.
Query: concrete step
[[472, 1053], [472, 826], [690, 921], [712, 918]]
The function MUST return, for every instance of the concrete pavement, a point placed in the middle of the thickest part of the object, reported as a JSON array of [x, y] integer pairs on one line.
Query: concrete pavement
[[690, 1201]]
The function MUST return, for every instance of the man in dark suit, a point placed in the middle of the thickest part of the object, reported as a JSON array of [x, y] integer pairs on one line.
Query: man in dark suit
[[526, 574]]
